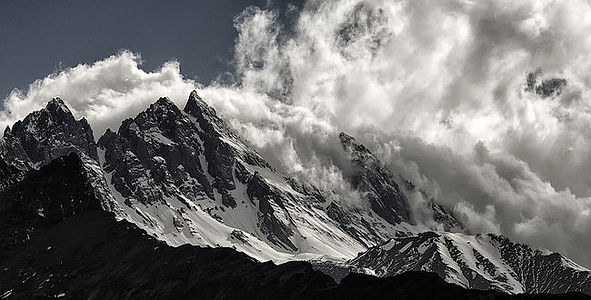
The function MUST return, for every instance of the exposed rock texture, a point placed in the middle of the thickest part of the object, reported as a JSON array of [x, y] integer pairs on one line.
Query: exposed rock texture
[[376, 182], [484, 261]]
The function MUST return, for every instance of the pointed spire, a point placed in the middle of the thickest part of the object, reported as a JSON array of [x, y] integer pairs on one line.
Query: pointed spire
[[193, 102], [345, 138], [56, 104], [350, 144], [59, 110], [164, 104], [197, 107], [195, 95], [164, 101]]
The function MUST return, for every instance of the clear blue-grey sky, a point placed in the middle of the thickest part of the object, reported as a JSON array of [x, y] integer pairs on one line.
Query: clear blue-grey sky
[[38, 37]]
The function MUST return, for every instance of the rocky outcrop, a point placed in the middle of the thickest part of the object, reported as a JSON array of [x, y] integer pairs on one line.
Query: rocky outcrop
[[377, 183], [49, 133], [264, 195], [484, 261], [44, 197], [545, 88], [165, 155]]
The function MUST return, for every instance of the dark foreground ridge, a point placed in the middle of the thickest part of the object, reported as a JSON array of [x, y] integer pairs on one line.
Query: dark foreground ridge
[[82, 252], [92, 256]]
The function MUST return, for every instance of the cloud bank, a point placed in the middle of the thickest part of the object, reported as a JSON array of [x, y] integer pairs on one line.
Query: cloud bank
[[437, 89], [440, 90], [105, 92]]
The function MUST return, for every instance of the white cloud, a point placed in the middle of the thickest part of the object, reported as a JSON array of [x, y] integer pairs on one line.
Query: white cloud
[[105, 92]]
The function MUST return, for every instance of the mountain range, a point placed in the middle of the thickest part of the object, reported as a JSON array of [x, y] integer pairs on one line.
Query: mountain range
[[172, 191]]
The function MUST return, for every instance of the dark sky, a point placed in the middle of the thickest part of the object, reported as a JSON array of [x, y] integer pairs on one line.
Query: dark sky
[[39, 36]]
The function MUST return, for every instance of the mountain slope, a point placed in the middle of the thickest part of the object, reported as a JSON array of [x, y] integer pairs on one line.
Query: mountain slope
[[44, 197], [186, 177], [484, 261], [376, 182], [50, 133], [90, 255], [71, 248]]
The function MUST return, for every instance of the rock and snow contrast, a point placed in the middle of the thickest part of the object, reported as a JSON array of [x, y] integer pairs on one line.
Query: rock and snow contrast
[[482, 261], [185, 177]]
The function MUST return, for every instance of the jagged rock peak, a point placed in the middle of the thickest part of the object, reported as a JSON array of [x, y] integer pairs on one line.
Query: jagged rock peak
[[52, 132], [57, 104], [197, 107], [59, 111], [195, 99], [195, 96], [350, 144], [164, 102], [377, 182], [345, 138], [55, 112], [162, 108]]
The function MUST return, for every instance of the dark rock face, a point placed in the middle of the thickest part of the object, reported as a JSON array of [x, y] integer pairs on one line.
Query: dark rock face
[[92, 256], [13, 152], [258, 190], [542, 272], [5, 169], [9, 174], [152, 153], [444, 217], [191, 155], [214, 127], [219, 153], [53, 132], [544, 88], [349, 223], [379, 185], [44, 197]]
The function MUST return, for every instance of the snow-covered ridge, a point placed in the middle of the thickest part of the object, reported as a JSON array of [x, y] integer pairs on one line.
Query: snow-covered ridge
[[186, 177], [483, 261]]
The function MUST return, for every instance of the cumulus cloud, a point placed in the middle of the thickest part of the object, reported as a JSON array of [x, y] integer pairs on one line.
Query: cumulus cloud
[[105, 92], [436, 89]]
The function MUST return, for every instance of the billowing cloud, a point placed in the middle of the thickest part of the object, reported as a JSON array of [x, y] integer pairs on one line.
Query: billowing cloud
[[437, 90], [105, 92]]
